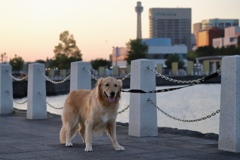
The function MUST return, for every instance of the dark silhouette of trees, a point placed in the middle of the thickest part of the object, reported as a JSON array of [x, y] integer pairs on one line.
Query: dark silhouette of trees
[[223, 51], [137, 50], [174, 58], [17, 63], [65, 52], [100, 62]]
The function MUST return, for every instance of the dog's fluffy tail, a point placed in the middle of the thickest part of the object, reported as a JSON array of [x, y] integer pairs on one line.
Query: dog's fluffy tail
[[62, 135]]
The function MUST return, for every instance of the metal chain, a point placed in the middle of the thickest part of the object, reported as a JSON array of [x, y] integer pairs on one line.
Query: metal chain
[[123, 110], [16, 79], [8, 93], [178, 81], [84, 68], [219, 71], [128, 75], [54, 82], [44, 98], [184, 120]]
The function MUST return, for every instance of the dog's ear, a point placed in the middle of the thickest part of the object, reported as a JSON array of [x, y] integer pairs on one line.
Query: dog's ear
[[119, 88], [99, 85]]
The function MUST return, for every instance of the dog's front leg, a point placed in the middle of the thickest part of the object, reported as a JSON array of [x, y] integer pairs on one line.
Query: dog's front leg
[[88, 135], [111, 131]]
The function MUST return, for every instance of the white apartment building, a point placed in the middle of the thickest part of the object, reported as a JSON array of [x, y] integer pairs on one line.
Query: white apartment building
[[220, 23], [158, 51], [174, 23]]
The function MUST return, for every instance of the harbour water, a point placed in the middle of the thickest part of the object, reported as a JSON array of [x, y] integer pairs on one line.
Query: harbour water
[[189, 103]]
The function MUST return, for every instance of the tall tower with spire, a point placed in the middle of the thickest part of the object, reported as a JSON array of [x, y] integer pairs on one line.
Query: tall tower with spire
[[139, 10]]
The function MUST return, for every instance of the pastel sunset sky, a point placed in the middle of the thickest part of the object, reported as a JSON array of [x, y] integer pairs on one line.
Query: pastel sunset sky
[[31, 28]]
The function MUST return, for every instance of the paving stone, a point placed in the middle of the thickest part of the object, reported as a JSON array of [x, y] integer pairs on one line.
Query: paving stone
[[25, 139]]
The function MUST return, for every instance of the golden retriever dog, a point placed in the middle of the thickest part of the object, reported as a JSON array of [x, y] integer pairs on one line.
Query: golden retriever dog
[[92, 112]]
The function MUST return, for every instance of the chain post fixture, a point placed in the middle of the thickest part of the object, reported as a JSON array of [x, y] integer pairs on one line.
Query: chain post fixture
[[8, 93], [44, 98], [16, 79]]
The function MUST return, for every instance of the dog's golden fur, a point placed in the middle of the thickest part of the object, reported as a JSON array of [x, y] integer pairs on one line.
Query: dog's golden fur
[[92, 112]]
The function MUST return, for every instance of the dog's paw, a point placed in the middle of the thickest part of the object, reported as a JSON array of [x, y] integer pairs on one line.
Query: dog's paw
[[69, 144], [88, 149], [119, 148]]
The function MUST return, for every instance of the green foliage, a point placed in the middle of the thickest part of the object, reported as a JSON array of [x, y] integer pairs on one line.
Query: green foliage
[[137, 50], [174, 58], [191, 56], [99, 63], [66, 52], [17, 63], [223, 51]]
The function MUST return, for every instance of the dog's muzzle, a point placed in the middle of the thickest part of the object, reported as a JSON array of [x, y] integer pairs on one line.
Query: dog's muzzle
[[110, 98]]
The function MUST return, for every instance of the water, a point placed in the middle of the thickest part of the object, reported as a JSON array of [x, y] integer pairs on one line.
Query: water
[[189, 103]]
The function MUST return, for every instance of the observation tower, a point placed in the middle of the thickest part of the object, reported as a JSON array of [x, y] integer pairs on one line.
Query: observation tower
[[139, 10]]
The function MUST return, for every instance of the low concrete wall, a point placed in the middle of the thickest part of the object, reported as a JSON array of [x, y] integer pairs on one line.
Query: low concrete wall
[[20, 87]]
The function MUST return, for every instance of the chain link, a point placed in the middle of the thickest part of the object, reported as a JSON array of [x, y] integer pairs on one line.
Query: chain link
[[89, 72], [128, 75], [126, 108], [219, 71], [184, 120], [54, 82], [178, 81], [44, 98], [17, 79], [8, 93]]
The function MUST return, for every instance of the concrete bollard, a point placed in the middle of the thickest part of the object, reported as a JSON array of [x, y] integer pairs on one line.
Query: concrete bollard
[[142, 114], [229, 129], [115, 71], [6, 104], [190, 68], [36, 106], [80, 79], [175, 68]]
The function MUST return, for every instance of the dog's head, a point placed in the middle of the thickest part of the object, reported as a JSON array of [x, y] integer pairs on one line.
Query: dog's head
[[109, 89]]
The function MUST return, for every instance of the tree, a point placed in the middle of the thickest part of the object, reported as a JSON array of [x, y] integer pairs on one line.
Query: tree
[[17, 63], [66, 52], [174, 58], [40, 61], [100, 62], [137, 50], [191, 55]]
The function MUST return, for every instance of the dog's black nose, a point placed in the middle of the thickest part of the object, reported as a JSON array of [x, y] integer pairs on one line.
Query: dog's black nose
[[112, 94]]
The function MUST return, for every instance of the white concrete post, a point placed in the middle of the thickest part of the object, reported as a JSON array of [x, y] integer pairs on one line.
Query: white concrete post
[[229, 129], [142, 114], [80, 79], [36, 106], [6, 104]]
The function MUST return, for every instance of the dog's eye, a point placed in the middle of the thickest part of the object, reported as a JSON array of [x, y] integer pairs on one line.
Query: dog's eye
[[106, 84], [115, 85]]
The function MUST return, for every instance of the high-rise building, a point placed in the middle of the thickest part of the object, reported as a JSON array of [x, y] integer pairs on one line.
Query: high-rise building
[[220, 23], [139, 10], [174, 23], [197, 27]]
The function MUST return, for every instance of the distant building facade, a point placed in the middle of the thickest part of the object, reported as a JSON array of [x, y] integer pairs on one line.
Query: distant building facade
[[220, 23], [205, 38], [232, 37], [197, 27], [174, 23], [158, 51]]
